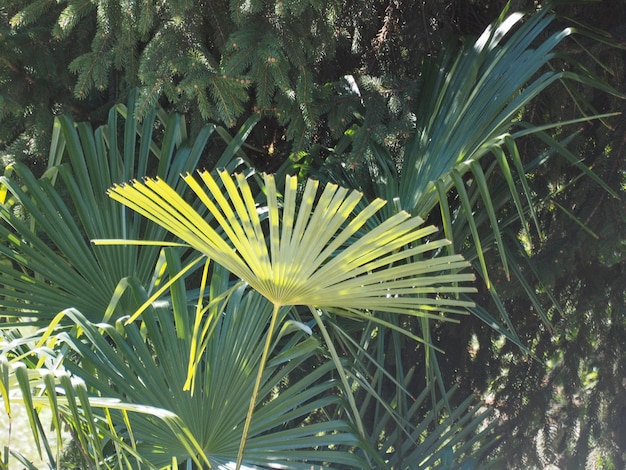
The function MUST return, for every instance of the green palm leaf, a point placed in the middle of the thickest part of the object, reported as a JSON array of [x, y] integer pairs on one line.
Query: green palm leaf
[[46, 223], [121, 387], [471, 108]]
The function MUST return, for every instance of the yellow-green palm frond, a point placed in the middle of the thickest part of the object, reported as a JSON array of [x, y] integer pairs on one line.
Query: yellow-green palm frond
[[316, 252]]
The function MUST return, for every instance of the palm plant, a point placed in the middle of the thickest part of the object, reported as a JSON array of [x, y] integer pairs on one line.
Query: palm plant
[[314, 256], [120, 388], [461, 164], [91, 395], [339, 257]]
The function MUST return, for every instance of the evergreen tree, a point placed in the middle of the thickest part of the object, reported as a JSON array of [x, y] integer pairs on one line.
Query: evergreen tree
[[33, 79], [307, 66], [219, 58]]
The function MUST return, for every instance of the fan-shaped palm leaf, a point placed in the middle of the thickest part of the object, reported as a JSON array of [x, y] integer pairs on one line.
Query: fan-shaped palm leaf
[[46, 223], [120, 387], [470, 107], [314, 255], [305, 259]]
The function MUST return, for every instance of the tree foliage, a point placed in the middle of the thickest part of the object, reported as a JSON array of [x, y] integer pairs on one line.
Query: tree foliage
[[220, 61]]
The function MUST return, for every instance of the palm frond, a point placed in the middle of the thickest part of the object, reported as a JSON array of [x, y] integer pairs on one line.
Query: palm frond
[[120, 387], [304, 261], [47, 222]]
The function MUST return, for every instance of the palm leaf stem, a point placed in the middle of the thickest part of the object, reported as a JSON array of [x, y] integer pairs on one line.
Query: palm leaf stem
[[257, 385], [341, 371]]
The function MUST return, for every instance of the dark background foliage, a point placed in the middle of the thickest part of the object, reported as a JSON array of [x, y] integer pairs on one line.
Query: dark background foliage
[[567, 408]]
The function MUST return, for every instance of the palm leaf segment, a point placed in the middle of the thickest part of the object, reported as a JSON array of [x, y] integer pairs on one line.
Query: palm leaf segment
[[315, 256]]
